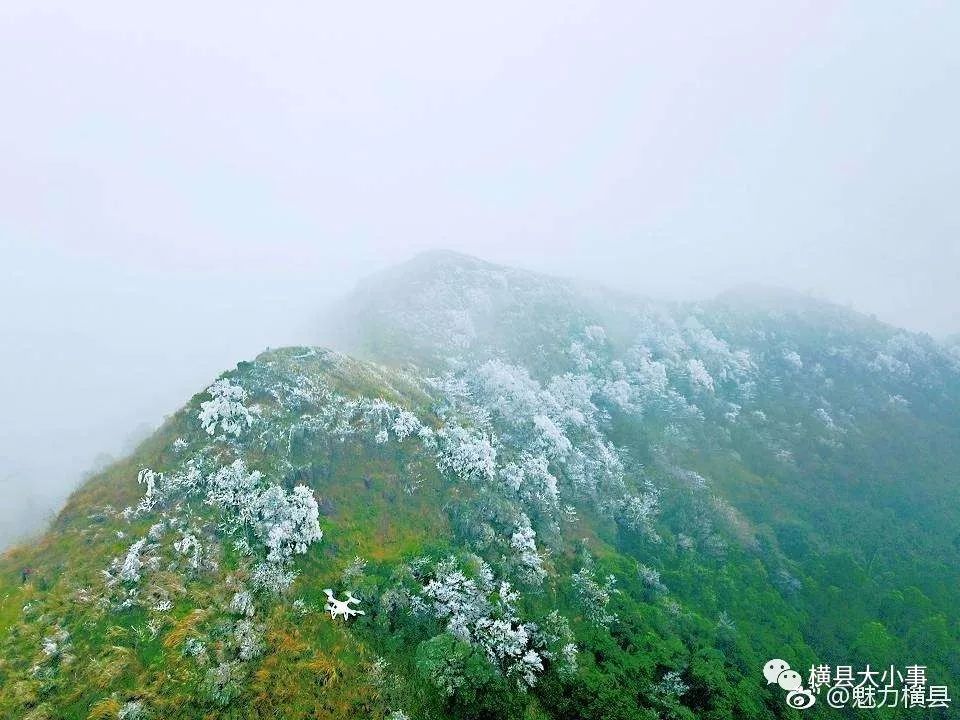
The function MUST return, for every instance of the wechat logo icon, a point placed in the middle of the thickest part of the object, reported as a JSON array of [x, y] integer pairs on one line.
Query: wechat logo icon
[[779, 672]]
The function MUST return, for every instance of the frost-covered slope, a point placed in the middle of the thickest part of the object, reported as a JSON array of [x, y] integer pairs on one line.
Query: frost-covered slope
[[548, 501]]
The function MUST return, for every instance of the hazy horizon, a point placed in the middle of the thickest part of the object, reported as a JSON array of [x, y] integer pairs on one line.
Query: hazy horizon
[[183, 186], [112, 429]]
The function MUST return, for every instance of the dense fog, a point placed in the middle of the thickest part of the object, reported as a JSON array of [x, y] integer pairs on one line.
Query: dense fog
[[184, 186]]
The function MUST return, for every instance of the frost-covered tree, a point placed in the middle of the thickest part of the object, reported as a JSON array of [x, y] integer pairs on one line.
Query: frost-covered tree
[[271, 578], [648, 377], [792, 358], [507, 645], [826, 419], [523, 541], [248, 638], [150, 480], [533, 438], [189, 546], [225, 410], [235, 490], [650, 578], [507, 390], [468, 454], [132, 564], [594, 595], [405, 425], [638, 512], [476, 614], [56, 645], [242, 604], [132, 710], [458, 598], [197, 649], [221, 684], [671, 685], [551, 438], [559, 643], [530, 478], [699, 376], [288, 522]]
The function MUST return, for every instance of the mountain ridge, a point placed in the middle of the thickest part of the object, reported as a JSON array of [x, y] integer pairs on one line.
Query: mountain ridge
[[549, 502]]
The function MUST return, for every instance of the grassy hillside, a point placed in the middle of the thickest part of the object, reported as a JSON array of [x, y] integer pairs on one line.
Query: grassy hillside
[[549, 501]]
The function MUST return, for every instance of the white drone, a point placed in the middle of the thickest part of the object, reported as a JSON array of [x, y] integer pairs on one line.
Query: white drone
[[341, 607]]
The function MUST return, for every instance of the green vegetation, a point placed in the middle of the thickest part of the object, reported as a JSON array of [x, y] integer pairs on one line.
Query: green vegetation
[[573, 505]]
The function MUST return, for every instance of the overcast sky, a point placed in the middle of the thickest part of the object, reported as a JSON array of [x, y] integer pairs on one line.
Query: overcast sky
[[182, 184]]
